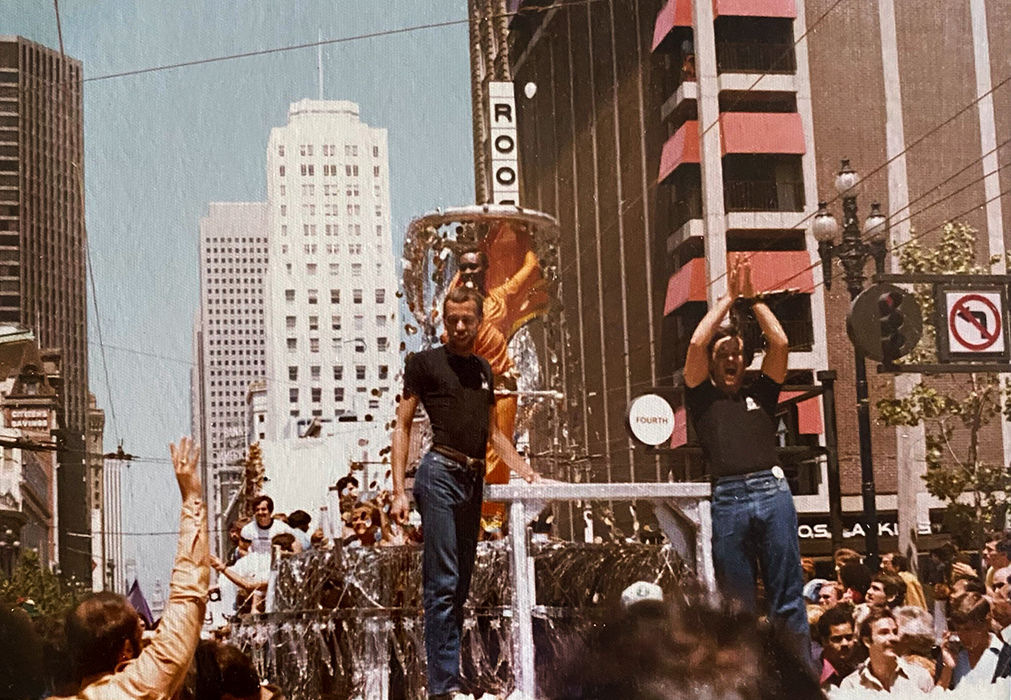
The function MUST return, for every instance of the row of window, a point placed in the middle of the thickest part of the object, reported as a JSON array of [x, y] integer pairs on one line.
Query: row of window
[[309, 190], [335, 296], [229, 239], [329, 170], [239, 251], [338, 372], [382, 344], [316, 395], [291, 322], [333, 249], [356, 268], [330, 229], [329, 149], [331, 210]]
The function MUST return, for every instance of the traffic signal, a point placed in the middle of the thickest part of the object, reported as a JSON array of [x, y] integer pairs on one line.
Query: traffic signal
[[892, 325]]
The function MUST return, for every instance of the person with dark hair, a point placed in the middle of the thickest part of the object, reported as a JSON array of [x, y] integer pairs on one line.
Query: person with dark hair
[[654, 651], [856, 579], [103, 633], [895, 563], [884, 670], [299, 521], [996, 555], [886, 590], [839, 645], [222, 672], [264, 526], [830, 594], [1000, 603], [981, 657], [347, 486], [456, 388], [753, 513], [21, 661]]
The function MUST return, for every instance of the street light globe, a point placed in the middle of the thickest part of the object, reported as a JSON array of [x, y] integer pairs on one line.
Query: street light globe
[[875, 227], [824, 227], [847, 182]]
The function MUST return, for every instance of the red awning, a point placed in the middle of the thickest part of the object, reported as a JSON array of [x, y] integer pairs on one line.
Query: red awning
[[771, 270], [682, 147], [755, 8], [676, 13], [808, 414], [680, 435], [762, 132]]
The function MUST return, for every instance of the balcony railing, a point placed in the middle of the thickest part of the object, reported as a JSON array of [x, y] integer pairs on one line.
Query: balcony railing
[[754, 57], [683, 211], [763, 195]]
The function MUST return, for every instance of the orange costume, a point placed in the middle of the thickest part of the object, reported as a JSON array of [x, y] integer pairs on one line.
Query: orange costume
[[515, 295]]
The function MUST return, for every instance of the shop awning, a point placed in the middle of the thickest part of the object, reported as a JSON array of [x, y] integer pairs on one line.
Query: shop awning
[[762, 132], [754, 8], [682, 147], [771, 271], [680, 435], [676, 13], [808, 414]]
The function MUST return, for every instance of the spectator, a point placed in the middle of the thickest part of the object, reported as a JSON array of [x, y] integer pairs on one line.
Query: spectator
[[652, 651], [996, 555], [1000, 603], [264, 527], [299, 521], [895, 563], [222, 672], [838, 641], [855, 579], [916, 636], [365, 526], [830, 595], [104, 632], [21, 660], [886, 590], [845, 556], [884, 669], [981, 657], [347, 487], [235, 536]]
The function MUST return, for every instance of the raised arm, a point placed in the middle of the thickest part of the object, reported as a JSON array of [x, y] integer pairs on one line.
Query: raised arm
[[697, 361], [401, 442], [161, 667], [238, 579], [777, 345]]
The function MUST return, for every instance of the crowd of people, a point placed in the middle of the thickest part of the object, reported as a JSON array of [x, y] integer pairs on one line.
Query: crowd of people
[[883, 632]]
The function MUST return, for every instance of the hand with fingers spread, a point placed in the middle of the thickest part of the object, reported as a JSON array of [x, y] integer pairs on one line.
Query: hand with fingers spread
[[185, 459]]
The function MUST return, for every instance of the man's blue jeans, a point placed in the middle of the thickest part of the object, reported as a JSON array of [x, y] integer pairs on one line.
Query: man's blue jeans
[[754, 520], [449, 498]]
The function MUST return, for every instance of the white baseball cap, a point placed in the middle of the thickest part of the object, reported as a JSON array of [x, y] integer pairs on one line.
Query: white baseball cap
[[640, 591]]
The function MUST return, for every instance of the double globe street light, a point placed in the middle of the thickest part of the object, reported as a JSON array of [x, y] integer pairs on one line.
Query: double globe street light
[[853, 251]]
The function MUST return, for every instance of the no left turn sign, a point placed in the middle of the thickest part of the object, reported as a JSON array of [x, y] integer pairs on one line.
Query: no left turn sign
[[975, 322]]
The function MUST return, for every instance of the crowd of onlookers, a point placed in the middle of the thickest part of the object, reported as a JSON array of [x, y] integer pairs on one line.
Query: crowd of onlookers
[[884, 631]]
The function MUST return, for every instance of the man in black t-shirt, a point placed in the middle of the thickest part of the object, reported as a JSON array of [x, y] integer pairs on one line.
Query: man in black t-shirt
[[456, 388], [754, 518]]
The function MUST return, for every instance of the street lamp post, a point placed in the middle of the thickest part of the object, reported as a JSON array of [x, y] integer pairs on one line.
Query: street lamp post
[[853, 251]]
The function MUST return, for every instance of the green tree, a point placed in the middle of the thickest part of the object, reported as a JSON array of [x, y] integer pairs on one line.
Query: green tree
[[39, 591], [954, 409]]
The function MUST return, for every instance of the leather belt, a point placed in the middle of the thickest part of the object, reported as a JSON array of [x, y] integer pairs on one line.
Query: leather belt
[[457, 456]]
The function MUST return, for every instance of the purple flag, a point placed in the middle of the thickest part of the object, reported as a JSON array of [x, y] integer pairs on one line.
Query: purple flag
[[136, 598]]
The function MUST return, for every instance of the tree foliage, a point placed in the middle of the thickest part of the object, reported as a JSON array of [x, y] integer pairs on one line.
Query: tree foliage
[[39, 591], [955, 409]]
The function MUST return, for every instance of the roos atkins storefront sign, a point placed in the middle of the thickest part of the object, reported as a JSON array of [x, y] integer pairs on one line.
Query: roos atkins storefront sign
[[816, 537]]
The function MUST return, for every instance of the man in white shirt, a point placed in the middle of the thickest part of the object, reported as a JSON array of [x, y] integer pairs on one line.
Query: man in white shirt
[[1000, 603], [982, 657], [884, 670], [264, 527]]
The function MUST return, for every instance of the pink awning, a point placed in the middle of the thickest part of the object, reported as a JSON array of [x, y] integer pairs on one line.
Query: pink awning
[[808, 414], [755, 8], [680, 435], [771, 270], [762, 132], [682, 147], [676, 13]]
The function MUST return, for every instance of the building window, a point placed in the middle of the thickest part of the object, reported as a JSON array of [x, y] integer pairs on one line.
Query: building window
[[314, 372], [317, 394], [292, 344], [314, 323], [384, 371], [284, 230], [356, 296], [280, 171], [311, 170], [375, 171], [382, 344], [360, 372], [335, 296], [289, 322], [310, 268], [380, 296], [359, 323], [379, 230], [284, 190], [338, 372], [335, 323], [373, 403], [356, 269], [284, 210], [359, 345], [292, 373], [313, 296], [289, 295], [280, 150], [293, 395], [381, 321], [338, 394], [334, 269], [313, 344]]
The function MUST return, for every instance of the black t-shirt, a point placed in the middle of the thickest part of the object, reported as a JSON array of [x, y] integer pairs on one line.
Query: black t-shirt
[[737, 432], [456, 392]]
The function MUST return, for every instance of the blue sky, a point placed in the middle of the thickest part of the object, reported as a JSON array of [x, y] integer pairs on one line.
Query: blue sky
[[160, 146]]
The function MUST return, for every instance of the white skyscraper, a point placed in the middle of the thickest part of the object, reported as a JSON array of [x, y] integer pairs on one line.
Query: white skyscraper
[[333, 335], [229, 346]]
